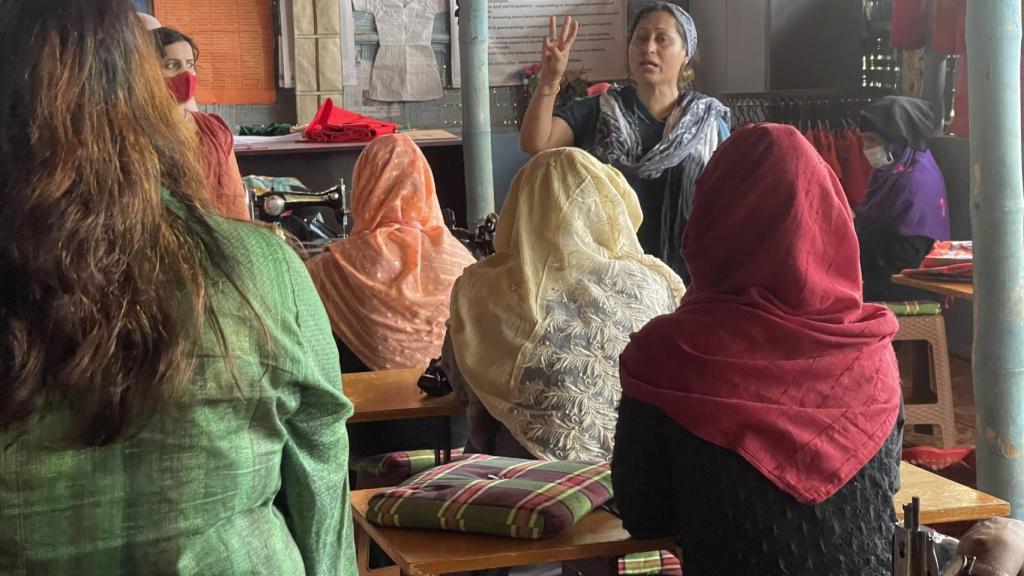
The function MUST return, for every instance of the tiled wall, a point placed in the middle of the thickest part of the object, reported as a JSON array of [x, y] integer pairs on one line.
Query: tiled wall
[[255, 114]]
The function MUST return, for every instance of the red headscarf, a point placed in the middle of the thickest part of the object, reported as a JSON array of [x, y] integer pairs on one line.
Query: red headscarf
[[772, 353]]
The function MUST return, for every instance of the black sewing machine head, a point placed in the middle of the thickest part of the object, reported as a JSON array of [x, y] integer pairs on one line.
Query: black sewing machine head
[[299, 210], [479, 242]]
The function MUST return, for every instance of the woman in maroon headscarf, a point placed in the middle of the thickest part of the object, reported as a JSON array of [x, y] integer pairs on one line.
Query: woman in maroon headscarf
[[758, 423]]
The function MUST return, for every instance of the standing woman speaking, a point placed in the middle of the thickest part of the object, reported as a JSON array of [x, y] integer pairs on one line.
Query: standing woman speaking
[[657, 131]]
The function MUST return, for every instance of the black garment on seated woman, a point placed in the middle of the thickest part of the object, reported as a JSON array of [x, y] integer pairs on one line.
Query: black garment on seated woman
[[673, 484], [884, 252]]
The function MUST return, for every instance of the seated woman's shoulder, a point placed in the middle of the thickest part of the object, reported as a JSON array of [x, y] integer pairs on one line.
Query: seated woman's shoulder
[[211, 121], [252, 243]]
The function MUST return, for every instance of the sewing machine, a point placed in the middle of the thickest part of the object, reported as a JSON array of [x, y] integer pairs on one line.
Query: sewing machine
[[300, 211], [920, 551], [480, 242]]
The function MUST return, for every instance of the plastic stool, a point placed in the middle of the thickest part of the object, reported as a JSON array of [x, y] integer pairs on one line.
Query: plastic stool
[[932, 329]]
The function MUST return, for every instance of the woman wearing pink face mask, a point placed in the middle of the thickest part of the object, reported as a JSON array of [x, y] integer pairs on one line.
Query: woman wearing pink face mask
[[225, 193]]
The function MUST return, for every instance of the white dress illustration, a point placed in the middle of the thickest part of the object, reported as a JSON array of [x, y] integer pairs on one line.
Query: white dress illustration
[[405, 69]]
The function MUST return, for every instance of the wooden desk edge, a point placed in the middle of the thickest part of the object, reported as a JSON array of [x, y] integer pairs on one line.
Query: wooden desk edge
[[428, 411], [983, 511], [321, 147], [954, 289], [561, 553]]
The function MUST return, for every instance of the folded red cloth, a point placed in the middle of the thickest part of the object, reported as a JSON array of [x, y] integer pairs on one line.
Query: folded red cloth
[[335, 124], [951, 273], [945, 253]]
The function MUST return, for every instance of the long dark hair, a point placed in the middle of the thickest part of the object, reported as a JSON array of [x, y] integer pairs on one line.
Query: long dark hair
[[103, 282]]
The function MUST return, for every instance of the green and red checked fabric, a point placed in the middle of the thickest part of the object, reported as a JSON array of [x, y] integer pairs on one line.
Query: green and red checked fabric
[[642, 563], [528, 499], [914, 308], [396, 467]]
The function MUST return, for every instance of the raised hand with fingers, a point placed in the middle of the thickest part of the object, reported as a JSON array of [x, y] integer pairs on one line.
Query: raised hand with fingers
[[555, 51]]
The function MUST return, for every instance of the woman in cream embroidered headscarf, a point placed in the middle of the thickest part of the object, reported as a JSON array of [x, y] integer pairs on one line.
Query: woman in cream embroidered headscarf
[[536, 329], [387, 286]]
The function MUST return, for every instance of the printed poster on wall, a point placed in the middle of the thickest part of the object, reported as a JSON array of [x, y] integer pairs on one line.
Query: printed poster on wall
[[236, 47], [518, 27]]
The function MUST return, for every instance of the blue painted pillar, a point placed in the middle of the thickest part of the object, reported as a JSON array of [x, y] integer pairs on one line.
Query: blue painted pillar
[[997, 219], [476, 110]]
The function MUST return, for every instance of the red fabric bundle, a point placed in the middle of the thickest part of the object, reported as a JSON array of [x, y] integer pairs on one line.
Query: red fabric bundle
[[951, 261], [951, 273], [335, 124]]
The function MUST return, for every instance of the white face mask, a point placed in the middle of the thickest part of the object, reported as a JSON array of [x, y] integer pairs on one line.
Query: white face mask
[[878, 157]]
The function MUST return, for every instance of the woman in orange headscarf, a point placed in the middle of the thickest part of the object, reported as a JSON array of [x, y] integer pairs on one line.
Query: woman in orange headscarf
[[387, 286]]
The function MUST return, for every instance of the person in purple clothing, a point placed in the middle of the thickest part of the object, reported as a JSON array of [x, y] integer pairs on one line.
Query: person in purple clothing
[[905, 210]]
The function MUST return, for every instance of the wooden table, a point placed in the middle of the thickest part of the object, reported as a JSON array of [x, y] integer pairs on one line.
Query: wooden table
[[962, 290], [388, 395], [600, 533], [943, 500], [393, 395], [420, 552]]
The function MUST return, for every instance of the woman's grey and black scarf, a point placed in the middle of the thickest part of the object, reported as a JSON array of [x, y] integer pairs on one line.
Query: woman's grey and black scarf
[[690, 138]]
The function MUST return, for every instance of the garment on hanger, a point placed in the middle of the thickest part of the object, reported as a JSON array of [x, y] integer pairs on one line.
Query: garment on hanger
[[909, 24], [961, 100], [843, 151], [824, 142], [856, 168], [949, 23], [830, 151], [405, 69]]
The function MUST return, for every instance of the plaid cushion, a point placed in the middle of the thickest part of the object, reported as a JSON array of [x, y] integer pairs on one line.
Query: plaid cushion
[[650, 563], [399, 465], [914, 308], [489, 495]]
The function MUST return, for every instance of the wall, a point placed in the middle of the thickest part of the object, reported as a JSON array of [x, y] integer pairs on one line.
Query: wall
[[732, 54], [815, 44], [254, 114]]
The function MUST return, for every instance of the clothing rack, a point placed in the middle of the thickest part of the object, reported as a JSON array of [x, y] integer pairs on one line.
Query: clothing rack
[[804, 109]]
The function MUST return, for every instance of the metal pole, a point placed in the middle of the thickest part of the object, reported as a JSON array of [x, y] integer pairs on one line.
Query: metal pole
[[997, 220], [476, 110]]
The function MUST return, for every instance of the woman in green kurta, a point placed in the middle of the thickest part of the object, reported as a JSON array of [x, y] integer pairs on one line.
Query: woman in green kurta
[[169, 385]]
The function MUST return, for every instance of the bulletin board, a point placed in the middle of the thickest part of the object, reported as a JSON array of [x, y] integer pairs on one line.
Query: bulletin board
[[236, 47], [517, 29]]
